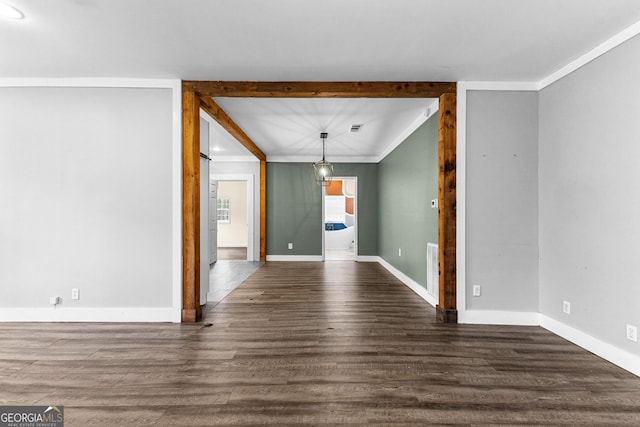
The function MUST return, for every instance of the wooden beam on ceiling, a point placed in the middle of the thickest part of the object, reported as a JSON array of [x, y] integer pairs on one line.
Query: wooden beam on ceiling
[[320, 89], [218, 114]]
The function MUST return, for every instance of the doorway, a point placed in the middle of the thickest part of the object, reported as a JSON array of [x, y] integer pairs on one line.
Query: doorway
[[339, 219], [235, 217]]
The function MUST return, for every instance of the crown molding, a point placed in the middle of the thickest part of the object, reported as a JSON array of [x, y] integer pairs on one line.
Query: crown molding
[[611, 43]]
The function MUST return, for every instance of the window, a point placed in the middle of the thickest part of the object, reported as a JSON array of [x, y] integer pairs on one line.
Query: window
[[223, 210]]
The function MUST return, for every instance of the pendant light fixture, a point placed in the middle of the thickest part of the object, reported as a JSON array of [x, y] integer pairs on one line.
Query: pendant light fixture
[[323, 169]]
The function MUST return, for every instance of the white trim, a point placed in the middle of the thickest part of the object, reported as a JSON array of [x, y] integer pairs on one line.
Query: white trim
[[88, 314], [294, 258], [461, 192], [251, 214], [219, 158], [409, 282], [367, 258], [494, 317], [355, 216], [176, 170], [99, 82], [424, 116], [613, 354], [312, 159], [176, 197], [594, 53], [323, 199], [502, 86]]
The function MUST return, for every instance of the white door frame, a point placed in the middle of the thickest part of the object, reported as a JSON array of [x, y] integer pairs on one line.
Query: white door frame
[[250, 179], [355, 216]]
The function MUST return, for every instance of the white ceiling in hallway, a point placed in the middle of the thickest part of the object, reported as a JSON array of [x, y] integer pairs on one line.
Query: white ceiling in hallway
[[289, 128]]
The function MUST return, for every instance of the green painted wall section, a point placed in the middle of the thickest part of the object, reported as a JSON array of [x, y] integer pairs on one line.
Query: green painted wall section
[[408, 181], [294, 208]]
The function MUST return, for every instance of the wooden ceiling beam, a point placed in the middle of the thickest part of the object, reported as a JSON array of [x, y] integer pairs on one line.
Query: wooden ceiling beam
[[218, 114], [320, 89]]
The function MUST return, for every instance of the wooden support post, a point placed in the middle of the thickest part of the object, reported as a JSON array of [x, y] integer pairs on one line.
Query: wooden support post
[[263, 210], [191, 309], [199, 94], [446, 311]]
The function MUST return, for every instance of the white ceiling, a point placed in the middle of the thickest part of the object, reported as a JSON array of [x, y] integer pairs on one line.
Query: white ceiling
[[289, 129], [306, 40]]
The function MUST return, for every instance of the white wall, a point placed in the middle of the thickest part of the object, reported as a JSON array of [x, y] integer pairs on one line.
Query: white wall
[[590, 197], [234, 234], [228, 170], [86, 195], [502, 200]]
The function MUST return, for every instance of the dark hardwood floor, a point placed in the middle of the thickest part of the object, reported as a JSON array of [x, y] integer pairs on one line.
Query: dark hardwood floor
[[339, 343]]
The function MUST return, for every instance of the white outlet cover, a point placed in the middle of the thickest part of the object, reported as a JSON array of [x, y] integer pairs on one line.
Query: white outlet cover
[[476, 290], [632, 333], [566, 307]]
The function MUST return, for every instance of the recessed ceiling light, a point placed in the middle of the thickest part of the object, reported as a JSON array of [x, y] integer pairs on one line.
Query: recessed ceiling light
[[217, 149], [11, 12]]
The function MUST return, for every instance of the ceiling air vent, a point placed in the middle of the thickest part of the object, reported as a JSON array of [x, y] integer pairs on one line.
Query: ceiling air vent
[[355, 128]]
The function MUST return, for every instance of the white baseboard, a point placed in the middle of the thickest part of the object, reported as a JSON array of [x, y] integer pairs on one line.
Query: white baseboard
[[409, 282], [613, 354], [294, 257], [90, 314], [619, 357], [491, 317], [367, 258]]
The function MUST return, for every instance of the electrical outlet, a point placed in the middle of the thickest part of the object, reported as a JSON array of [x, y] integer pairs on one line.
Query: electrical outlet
[[399, 251], [54, 300], [75, 293], [290, 246], [476, 290], [566, 307], [632, 333]]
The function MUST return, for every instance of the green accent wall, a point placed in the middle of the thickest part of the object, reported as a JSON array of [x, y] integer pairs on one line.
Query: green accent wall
[[408, 181], [294, 208]]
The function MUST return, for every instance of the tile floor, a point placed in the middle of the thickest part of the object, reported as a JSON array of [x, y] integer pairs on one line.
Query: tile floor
[[339, 255], [226, 275]]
